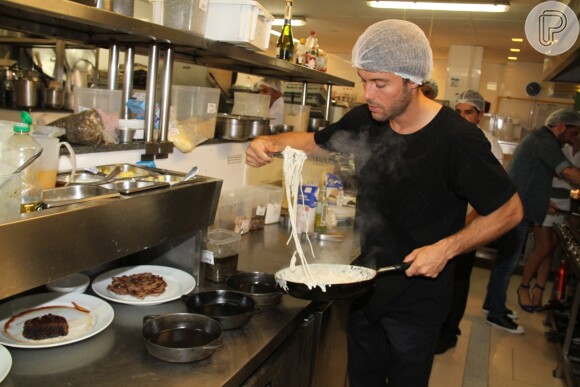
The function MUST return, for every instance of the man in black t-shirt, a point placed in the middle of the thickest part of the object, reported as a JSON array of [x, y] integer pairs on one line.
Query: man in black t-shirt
[[418, 164]]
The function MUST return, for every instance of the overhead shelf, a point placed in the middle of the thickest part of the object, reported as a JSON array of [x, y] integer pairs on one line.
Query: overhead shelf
[[93, 26]]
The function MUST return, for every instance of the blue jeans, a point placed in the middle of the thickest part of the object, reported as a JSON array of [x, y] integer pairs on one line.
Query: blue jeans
[[509, 251]]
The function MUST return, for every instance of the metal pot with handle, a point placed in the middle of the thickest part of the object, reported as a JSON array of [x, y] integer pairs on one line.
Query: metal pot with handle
[[347, 281]]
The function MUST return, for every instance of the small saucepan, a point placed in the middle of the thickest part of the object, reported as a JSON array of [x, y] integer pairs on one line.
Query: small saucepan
[[336, 282], [231, 309], [262, 287], [181, 337]]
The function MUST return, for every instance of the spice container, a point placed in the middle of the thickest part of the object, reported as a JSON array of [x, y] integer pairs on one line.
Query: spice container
[[274, 202], [220, 254]]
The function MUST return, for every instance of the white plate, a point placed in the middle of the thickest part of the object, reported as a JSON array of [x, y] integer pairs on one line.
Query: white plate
[[82, 325], [178, 284], [5, 362]]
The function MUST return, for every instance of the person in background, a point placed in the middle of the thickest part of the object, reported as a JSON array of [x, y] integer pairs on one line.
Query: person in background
[[470, 105], [535, 161], [275, 89], [545, 239], [415, 174], [430, 89]]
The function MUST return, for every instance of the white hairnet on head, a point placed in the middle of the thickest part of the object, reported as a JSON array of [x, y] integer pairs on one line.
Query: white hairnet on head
[[272, 83], [394, 46], [563, 116], [473, 98]]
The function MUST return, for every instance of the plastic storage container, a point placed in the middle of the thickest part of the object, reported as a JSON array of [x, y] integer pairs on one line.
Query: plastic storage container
[[193, 115], [220, 254], [234, 211], [16, 150], [106, 102], [274, 195], [259, 207], [241, 22], [297, 116], [251, 104], [187, 15]]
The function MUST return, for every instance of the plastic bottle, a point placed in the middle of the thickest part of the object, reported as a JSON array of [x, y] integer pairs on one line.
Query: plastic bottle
[[285, 45], [321, 61], [15, 151], [321, 214], [311, 50], [301, 52]]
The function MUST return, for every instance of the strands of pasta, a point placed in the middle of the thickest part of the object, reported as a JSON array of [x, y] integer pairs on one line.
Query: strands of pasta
[[293, 162]]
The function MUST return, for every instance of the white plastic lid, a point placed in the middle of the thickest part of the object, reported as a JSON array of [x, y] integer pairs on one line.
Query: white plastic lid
[[131, 124]]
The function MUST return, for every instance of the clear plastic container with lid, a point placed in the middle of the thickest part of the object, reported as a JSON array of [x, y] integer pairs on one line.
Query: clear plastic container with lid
[[220, 254], [16, 151]]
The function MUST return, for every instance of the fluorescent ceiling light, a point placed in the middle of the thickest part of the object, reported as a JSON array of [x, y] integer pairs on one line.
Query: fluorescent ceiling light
[[434, 5], [297, 21], [519, 40], [512, 58], [515, 50]]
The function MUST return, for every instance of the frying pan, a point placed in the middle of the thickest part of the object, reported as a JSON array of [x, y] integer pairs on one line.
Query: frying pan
[[231, 309], [260, 286], [336, 291]]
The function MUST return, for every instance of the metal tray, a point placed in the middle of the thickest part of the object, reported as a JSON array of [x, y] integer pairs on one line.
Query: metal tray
[[127, 170], [128, 187], [80, 177], [71, 194], [167, 178]]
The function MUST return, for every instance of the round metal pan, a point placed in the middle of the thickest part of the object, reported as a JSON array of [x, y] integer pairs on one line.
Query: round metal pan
[[262, 287], [336, 291], [181, 337], [231, 309]]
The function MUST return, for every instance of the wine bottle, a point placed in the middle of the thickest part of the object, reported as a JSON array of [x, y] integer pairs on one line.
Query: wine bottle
[[285, 46]]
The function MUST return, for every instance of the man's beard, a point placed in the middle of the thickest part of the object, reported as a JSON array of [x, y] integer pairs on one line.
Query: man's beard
[[398, 107]]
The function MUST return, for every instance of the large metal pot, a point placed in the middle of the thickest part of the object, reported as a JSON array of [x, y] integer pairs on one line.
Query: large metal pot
[[262, 287], [181, 337], [259, 126], [337, 290], [316, 124], [231, 309], [27, 92], [53, 98], [231, 127]]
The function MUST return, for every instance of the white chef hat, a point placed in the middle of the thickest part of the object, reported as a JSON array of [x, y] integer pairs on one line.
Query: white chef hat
[[272, 83], [564, 116], [394, 46], [473, 98]]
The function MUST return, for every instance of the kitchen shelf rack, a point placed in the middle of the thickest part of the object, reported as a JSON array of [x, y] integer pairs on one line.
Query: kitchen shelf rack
[[93, 26]]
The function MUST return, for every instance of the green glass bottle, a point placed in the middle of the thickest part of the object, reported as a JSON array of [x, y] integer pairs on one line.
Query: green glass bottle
[[285, 46]]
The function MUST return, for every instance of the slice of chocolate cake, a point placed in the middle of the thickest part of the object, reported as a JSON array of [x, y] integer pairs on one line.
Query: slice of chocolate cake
[[45, 327]]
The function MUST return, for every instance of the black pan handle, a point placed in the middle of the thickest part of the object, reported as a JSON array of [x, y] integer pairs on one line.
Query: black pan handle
[[396, 267]]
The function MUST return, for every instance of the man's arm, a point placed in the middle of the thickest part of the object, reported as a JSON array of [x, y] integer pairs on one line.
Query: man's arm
[[572, 175], [430, 260], [260, 149]]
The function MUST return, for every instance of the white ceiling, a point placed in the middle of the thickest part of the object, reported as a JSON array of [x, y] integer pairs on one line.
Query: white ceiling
[[338, 24]]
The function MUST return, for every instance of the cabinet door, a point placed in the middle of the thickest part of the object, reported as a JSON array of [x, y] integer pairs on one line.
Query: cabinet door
[[290, 364]]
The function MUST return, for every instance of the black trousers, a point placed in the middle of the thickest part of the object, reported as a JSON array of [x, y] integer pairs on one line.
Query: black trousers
[[462, 278], [389, 352]]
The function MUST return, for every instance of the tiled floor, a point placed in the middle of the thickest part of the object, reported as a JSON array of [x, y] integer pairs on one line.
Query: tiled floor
[[512, 360]]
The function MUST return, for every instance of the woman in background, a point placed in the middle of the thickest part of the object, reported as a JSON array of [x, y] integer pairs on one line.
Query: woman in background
[[545, 238]]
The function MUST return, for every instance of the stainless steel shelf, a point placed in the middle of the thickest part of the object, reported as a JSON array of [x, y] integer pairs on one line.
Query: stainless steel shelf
[[93, 26]]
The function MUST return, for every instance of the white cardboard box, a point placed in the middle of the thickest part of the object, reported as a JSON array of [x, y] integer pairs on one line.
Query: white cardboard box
[[240, 22]]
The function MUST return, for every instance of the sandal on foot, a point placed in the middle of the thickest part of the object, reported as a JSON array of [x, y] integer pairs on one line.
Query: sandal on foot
[[538, 306], [525, 307]]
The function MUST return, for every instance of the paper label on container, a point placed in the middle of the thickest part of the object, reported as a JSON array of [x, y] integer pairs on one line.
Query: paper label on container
[[207, 257], [203, 5], [261, 210], [211, 108]]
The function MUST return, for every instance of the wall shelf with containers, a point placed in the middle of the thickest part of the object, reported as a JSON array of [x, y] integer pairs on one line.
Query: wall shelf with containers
[[92, 26], [71, 21]]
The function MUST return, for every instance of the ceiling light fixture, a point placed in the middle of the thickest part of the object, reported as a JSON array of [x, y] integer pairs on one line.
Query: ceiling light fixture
[[434, 5], [297, 21], [519, 40], [515, 50], [512, 58]]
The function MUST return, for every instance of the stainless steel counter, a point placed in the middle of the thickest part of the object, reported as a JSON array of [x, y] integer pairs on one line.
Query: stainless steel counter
[[117, 356]]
